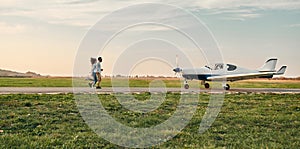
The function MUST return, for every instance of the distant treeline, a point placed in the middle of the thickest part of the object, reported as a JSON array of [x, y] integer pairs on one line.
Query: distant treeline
[[284, 78]]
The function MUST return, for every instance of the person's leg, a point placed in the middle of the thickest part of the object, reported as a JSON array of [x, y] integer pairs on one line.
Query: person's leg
[[95, 79], [99, 80]]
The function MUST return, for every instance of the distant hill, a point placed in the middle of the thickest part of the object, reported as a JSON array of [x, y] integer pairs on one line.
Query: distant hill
[[8, 73]]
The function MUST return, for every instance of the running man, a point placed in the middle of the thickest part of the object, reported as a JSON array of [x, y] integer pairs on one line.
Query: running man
[[98, 72]]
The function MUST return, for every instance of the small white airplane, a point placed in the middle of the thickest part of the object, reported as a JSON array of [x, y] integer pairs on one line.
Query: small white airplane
[[228, 72]]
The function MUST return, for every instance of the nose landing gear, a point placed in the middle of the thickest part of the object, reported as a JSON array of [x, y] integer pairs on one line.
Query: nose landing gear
[[186, 85]]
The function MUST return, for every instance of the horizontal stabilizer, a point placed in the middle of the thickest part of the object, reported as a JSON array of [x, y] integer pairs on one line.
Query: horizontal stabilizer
[[281, 71]]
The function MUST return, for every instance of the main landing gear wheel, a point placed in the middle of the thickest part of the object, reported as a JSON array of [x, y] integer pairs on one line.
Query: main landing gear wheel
[[227, 87], [186, 86], [206, 85]]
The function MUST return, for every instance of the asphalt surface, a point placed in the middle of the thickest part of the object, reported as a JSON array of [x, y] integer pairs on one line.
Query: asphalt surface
[[58, 90]]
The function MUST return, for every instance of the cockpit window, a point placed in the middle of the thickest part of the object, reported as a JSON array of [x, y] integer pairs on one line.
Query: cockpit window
[[208, 67], [230, 67], [219, 66]]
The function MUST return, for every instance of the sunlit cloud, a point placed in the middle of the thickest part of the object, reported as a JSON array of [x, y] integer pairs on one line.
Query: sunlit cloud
[[6, 28], [293, 25], [262, 4], [243, 17], [84, 13], [236, 14]]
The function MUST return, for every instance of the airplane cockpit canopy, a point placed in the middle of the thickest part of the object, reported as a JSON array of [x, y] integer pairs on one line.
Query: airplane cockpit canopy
[[217, 66], [231, 67], [220, 66]]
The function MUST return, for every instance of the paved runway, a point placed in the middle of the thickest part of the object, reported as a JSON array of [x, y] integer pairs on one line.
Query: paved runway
[[108, 90]]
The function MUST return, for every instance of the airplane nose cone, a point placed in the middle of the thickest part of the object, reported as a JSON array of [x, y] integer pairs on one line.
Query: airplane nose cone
[[176, 69]]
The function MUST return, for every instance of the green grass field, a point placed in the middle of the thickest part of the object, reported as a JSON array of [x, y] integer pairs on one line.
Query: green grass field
[[245, 121], [142, 82]]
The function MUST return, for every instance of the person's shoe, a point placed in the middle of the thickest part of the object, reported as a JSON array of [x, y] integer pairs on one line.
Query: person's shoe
[[98, 87]]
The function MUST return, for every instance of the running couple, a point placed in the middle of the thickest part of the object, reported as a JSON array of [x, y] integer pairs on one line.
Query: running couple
[[96, 72]]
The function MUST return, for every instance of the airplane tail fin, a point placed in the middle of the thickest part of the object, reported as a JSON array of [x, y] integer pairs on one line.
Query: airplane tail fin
[[269, 65], [281, 71]]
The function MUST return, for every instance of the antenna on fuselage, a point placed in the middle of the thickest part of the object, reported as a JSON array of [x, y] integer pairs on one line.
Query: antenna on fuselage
[[177, 70]]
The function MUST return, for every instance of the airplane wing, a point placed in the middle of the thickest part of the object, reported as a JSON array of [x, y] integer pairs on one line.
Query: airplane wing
[[236, 77]]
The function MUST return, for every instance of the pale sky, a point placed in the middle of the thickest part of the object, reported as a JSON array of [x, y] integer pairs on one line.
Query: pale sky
[[44, 36]]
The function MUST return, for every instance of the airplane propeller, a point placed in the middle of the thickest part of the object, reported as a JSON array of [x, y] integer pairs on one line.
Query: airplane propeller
[[177, 69], [176, 61]]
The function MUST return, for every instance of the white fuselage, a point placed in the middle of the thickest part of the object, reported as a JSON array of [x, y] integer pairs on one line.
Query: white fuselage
[[221, 71]]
